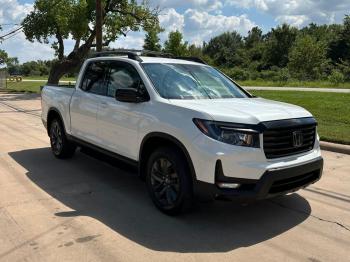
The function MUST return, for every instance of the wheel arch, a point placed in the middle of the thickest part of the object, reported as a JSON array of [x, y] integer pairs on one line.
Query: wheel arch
[[157, 139], [52, 114]]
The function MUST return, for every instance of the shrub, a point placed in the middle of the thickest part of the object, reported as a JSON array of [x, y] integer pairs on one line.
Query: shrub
[[283, 75], [237, 74], [269, 75], [336, 77]]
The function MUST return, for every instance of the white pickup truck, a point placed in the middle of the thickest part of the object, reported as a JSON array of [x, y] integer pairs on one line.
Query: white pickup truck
[[190, 129]]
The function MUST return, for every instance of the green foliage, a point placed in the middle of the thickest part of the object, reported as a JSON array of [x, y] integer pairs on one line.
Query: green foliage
[[307, 58], [175, 44], [278, 43], [284, 55], [236, 73], [344, 68], [336, 77], [62, 19], [225, 49], [152, 41], [3, 57], [340, 47], [255, 36]]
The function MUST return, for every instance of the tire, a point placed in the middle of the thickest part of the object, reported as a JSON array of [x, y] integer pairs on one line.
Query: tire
[[169, 181], [60, 146]]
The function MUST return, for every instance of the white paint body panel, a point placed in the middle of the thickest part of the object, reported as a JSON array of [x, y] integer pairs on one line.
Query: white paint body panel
[[121, 127]]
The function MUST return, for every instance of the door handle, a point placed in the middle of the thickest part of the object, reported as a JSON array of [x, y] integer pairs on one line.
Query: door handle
[[104, 105]]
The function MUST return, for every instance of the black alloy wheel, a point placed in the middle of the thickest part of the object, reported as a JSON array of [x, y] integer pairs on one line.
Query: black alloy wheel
[[169, 181]]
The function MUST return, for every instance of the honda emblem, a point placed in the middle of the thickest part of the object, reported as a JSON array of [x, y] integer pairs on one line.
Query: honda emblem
[[298, 139]]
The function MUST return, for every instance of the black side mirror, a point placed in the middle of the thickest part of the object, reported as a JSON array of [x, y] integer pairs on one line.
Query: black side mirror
[[130, 95]]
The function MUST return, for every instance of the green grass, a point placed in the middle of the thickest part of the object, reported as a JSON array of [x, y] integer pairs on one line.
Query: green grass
[[44, 78], [28, 87], [311, 84], [331, 110]]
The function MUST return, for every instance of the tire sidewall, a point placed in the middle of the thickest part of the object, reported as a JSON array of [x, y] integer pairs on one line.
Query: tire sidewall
[[53, 124], [185, 186]]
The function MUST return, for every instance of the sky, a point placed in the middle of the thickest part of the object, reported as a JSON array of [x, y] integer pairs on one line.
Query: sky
[[198, 20]]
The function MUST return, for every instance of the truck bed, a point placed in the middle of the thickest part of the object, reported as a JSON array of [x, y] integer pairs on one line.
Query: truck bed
[[59, 97]]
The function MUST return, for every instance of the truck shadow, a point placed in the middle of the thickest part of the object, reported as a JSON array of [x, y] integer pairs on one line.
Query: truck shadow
[[115, 196]]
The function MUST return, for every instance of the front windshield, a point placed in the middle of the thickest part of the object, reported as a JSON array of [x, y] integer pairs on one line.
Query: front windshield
[[185, 81]]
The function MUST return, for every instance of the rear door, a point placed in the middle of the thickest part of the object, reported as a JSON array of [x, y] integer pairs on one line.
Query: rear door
[[118, 122], [86, 101]]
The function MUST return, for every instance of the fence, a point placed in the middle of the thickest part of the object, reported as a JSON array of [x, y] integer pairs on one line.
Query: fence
[[3, 81]]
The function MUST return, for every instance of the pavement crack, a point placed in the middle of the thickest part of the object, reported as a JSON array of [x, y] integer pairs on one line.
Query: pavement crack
[[311, 215]]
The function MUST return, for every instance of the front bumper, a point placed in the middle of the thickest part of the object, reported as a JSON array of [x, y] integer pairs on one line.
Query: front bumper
[[274, 182]]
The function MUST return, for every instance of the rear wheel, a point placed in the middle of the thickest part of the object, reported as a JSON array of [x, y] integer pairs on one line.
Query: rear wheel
[[60, 146], [169, 182]]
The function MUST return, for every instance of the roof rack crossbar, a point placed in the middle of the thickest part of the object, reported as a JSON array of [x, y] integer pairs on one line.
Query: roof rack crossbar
[[135, 55], [132, 54]]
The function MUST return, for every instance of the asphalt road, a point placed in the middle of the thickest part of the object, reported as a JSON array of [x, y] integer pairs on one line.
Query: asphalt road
[[87, 210]]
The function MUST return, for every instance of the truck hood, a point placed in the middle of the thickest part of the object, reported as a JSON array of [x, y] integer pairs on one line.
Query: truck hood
[[244, 110]]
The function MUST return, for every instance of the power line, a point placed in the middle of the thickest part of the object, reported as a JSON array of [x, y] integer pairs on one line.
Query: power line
[[14, 34], [10, 33], [9, 24]]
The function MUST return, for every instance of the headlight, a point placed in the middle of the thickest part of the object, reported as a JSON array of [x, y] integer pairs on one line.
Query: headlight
[[234, 134]]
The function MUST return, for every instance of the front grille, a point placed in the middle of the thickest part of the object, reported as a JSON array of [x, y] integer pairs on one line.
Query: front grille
[[278, 142], [294, 182]]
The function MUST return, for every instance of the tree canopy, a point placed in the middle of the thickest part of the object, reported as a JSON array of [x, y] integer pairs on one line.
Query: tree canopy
[[307, 58], [224, 49], [68, 19], [283, 53], [175, 44], [152, 40]]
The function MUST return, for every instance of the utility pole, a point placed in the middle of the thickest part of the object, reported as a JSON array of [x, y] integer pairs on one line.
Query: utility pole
[[98, 26]]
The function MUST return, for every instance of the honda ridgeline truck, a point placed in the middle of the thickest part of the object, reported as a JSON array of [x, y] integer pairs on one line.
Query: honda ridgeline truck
[[190, 129]]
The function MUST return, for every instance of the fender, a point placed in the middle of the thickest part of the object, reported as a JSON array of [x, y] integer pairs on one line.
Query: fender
[[54, 109], [173, 140]]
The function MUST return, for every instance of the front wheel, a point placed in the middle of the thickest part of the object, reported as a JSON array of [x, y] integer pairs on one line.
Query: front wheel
[[169, 182], [60, 146]]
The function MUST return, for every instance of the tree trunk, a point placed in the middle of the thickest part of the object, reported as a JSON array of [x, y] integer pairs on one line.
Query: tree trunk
[[60, 68], [67, 65]]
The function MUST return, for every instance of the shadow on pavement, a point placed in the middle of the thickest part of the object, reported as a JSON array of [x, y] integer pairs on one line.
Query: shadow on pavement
[[118, 198]]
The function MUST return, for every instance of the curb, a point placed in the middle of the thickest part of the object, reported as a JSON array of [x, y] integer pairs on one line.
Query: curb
[[337, 148]]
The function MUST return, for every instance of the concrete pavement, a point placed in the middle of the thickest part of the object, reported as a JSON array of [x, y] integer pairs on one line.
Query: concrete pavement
[[86, 210]]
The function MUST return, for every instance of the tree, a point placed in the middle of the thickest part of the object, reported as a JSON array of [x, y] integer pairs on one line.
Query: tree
[[3, 57], [65, 19], [152, 41], [225, 49], [307, 58], [255, 36], [254, 47], [175, 44], [3, 54], [339, 49], [278, 43]]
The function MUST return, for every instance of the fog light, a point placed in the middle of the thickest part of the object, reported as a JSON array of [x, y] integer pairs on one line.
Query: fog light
[[228, 185]]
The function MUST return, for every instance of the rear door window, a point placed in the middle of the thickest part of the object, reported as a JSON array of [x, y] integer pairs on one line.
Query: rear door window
[[94, 78]]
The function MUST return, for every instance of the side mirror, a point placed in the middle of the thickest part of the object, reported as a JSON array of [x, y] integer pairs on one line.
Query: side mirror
[[130, 95]]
